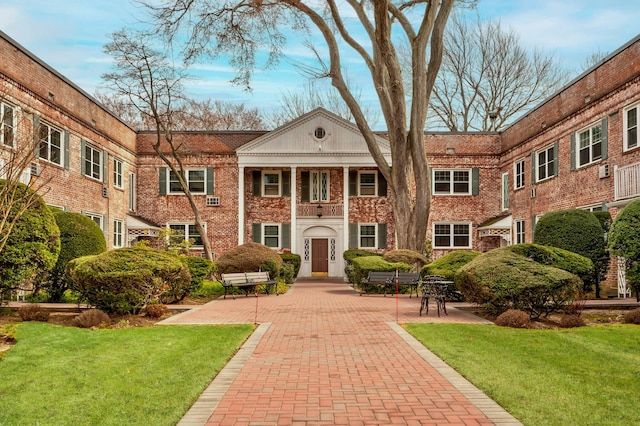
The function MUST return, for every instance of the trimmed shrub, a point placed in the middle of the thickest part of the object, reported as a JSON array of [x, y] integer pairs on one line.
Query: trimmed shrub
[[79, 236], [92, 318], [571, 321], [553, 256], [410, 257], [125, 280], [513, 318], [448, 265], [33, 312], [361, 266], [156, 310], [199, 269], [632, 317], [578, 231], [294, 260], [287, 273], [501, 279], [624, 241], [351, 254], [250, 257], [33, 244]]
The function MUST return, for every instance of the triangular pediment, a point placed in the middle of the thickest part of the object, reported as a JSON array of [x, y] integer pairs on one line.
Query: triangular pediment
[[318, 133]]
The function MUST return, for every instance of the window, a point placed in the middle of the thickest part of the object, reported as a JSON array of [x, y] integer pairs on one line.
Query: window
[[367, 184], [367, 236], [118, 233], [185, 232], [589, 148], [505, 191], [452, 235], [271, 184], [518, 173], [519, 231], [132, 191], [196, 180], [117, 172], [92, 162], [545, 163], [319, 186], [631, 127], [593, 208], [97, 218], [272, 236], [50, 145], [7, 125], [450, 182]]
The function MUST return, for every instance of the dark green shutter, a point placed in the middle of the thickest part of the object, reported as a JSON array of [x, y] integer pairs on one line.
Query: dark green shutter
[[286, 235], [210, 182], [573, 151], [66, 150], [475, 181], [555, 158], [36, 132], [83, 164], [162, 180], [105, 166], [353, 182], [382, 235], [257, 183], [286, 183], [533, 167], [353, 236], [256, 230], [305, 187], [605, 138], [382, 185]]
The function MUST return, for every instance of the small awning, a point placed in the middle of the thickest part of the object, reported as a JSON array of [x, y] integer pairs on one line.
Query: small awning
[[138, 226], [499, 226]]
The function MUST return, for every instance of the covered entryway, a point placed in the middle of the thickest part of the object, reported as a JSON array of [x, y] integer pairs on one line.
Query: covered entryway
[[319, 257]]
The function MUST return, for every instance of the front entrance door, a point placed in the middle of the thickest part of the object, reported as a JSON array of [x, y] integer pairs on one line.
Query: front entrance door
[[319, 257]]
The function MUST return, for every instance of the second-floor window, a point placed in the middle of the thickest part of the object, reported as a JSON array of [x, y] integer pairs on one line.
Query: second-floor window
[[367, 184], [117, 172], [7, 125], [271, 184], [589, 147], [319, 186], [92, 162], [196, 181], [518, 173], [631, 127], [50, 144], [545, 162], [455, 181]]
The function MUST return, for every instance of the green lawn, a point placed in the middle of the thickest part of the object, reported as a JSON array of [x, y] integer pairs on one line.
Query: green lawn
[[581, 376], [134, 376]]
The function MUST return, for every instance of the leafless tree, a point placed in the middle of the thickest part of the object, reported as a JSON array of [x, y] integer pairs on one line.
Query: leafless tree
[[362, 29], [488, 78], [294, 103], [148, 80], [593, 59]]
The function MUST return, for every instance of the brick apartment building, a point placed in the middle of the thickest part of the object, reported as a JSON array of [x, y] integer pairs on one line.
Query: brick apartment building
[[311, 186]]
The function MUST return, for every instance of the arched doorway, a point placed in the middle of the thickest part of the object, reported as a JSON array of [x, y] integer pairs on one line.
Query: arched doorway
[[320, 251]]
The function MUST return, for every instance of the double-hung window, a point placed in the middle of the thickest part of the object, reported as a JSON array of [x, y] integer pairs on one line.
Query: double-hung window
[[272, 236], [518, 226], [505, 191], [118, 233], [196, 181], [7, 125], [367, 184], [589, 148], [518, 174], [545, 162], [185, 232], [93, 162], [452, 182], [631, 127], [117, 173], [367, 236], [452, 235], [50, 144], [97, 218], [271, 184]]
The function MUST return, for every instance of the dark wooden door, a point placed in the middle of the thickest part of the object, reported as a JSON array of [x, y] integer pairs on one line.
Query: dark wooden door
[[319, 257]]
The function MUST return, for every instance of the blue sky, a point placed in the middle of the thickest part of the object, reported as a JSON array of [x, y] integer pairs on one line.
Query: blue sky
[[69, 35]]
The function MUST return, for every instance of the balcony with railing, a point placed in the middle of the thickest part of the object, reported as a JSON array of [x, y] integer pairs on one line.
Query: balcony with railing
[[320, 210], [627, 181]]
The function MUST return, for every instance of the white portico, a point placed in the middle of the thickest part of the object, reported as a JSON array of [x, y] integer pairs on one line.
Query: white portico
[[311, 150]]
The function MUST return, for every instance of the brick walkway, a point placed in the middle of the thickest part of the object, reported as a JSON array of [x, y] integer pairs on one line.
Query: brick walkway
[[323, 355]]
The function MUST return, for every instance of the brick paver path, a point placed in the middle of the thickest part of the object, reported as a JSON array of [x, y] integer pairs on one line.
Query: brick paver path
[[323, 355]]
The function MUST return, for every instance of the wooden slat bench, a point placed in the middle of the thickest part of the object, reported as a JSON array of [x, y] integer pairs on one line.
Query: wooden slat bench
[[248, 282], [388, 281]]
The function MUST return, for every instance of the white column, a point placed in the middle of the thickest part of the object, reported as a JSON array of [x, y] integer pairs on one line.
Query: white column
[[345, 212], [294, 213], [240, 205]]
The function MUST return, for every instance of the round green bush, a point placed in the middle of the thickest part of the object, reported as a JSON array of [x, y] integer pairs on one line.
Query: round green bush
[[578, 231], [199, 269], [33, 244], [556, 257], [361, 266], [501, 279], [125, 280], [351, 254], [79, 236], [294, 260], [448, 265], [250, 257]]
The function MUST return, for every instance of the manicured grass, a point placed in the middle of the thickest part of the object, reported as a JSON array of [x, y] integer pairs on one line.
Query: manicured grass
[[581, 376], [134, 376]]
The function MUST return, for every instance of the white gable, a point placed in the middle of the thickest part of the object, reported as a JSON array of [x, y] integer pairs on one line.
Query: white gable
[[316, 138]]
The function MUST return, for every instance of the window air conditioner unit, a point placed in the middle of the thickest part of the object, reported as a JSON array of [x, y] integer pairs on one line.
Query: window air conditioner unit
[[213, 201], [35, 169], [533, 193], [105, 192], [603, 171]]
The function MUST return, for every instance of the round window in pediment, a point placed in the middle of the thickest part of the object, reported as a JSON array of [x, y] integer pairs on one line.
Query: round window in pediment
[[320, 133]]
